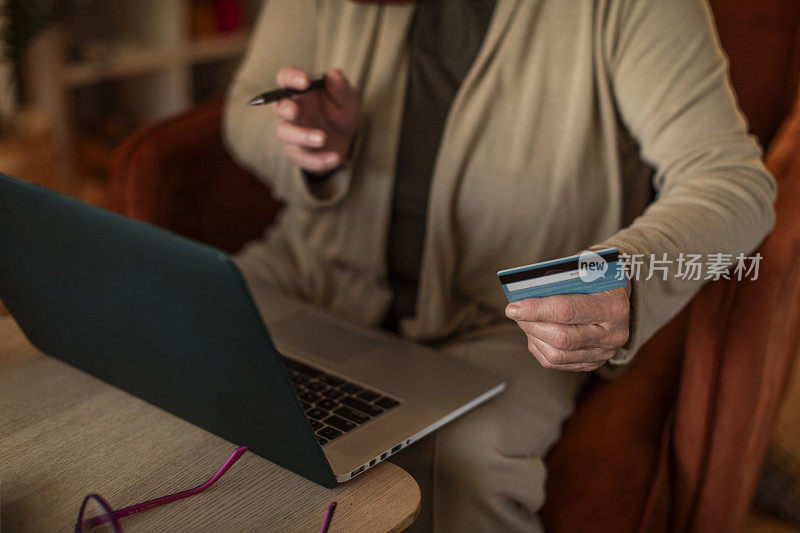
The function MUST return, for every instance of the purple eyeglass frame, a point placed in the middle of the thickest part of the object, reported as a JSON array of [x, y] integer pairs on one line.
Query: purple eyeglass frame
[[109, 517], [114, 516]]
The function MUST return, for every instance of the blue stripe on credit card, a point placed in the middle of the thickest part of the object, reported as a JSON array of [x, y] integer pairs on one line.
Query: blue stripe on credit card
[[585, 273]]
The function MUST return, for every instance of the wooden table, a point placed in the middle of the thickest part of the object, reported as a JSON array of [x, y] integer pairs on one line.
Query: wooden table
[[64, 434]]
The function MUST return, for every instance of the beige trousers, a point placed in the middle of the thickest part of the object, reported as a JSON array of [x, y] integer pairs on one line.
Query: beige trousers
[[483, 472]]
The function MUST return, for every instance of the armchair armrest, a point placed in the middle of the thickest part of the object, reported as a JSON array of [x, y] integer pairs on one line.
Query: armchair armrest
[[741, 342], [705, 391], [176, 174]]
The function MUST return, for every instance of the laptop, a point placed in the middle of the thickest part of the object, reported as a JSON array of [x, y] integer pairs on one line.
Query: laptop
[[171, 320]]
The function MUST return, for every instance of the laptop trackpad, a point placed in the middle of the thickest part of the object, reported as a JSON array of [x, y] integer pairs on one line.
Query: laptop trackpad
[[316, 335]]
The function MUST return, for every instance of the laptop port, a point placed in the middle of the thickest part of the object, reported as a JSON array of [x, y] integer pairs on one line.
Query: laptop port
[[383, 456], [357, 471], [397, 448], [372, 463]]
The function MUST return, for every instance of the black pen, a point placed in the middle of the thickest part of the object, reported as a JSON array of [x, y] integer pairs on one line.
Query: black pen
[[272, 96]]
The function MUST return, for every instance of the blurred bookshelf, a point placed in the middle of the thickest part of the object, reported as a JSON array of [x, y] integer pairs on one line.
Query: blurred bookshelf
[[112, 66]]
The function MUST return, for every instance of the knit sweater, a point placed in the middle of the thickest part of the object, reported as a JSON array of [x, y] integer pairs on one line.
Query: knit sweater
[[567, 113]]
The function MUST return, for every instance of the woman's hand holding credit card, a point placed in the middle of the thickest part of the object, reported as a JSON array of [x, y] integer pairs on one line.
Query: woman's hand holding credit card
[[575, 311]]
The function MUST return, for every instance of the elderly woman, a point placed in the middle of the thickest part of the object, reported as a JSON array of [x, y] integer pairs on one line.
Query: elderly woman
[[454, 138]]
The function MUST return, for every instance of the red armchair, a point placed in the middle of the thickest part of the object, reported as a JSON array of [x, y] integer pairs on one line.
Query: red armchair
[[676, 443]]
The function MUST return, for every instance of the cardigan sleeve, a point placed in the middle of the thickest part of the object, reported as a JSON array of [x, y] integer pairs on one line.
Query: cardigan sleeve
[[284, 35], [714, 195]]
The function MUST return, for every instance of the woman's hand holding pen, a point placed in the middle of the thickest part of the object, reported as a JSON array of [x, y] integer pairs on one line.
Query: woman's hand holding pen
[[317, 127]]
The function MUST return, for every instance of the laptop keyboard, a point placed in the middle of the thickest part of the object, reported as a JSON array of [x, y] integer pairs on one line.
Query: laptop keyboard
[[333, 405]]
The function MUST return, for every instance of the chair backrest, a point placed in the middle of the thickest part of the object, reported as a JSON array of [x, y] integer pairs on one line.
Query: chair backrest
[[177, 174], [762, 40]]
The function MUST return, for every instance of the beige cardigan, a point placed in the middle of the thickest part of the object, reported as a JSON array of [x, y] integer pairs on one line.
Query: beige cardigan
[[539, 158]]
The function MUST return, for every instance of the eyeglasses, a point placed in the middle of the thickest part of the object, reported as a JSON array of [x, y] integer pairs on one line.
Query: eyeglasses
[[95, 511]]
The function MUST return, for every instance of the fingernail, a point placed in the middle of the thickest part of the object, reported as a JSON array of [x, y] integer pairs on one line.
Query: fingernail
[[316, 138], [513, 312], [333, 159], [299, 80]]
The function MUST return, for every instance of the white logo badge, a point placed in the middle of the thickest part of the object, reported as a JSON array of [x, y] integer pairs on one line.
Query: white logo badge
[[591, 266]]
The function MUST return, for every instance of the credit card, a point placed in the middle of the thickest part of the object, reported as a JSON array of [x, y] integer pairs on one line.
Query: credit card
[[585, 273]]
